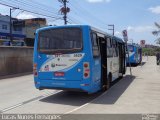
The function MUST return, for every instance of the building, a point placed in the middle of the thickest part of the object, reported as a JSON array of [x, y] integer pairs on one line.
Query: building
[[22, 30], [17, 31], [30, 28]]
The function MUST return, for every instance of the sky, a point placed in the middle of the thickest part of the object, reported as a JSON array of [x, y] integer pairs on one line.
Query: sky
[[136, 16]]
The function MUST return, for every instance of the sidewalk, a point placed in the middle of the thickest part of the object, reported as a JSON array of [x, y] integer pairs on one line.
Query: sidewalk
[[138, 94]]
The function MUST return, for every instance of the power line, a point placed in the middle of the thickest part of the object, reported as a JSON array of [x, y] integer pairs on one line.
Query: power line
[[28, 4], [30, 11], [42, 5], [87, 13], [73, 21]]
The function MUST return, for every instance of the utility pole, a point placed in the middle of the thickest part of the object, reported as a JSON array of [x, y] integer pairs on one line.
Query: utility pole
[[131, 41], [11, 27], [11, 37], [64, 10], [111, 28], [65, 13]]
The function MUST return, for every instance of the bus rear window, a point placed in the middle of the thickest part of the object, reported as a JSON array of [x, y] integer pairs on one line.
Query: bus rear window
[[60, 40]]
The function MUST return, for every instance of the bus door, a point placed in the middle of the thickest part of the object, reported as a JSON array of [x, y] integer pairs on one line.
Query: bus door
[[103, 51], [124, 58]]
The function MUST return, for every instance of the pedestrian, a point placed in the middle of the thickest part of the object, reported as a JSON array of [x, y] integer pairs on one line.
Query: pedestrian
[[158, 58]]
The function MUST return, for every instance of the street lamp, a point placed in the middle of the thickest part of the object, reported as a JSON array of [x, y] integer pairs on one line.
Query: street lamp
[[131, 40], [112, 28]]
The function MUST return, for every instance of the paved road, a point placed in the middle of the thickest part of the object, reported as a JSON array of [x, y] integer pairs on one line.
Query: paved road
[[18, 95], [137, 94]]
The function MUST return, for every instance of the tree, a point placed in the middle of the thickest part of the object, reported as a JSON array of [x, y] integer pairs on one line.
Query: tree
[[157, 32]]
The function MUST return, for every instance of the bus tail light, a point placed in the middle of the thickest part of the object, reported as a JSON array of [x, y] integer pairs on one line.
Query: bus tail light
[[86, 75], [86, 65], [35, 70], [86, 70]]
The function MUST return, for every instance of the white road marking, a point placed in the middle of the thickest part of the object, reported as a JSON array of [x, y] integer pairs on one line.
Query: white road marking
[[87, 103], [12, 107], [31, 100], [78, 108]]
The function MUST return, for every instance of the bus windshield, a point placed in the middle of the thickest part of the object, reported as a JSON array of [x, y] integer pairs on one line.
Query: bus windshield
[[60, 40]]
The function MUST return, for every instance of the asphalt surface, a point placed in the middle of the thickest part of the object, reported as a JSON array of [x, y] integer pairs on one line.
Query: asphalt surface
[[136, 94]]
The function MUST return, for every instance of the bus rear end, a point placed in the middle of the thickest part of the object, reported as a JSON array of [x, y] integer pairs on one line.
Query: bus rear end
[[135, 54], [132, 54], [62, 58]]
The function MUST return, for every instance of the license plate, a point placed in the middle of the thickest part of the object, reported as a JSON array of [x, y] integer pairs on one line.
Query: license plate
[[59, 74]]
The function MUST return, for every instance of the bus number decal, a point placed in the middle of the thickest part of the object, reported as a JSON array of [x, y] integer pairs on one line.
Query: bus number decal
[[77, 55]]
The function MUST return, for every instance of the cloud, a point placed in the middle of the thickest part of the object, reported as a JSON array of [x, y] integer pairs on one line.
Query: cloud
[[25, 16], [96, 1], [140, 29], [155, 10]]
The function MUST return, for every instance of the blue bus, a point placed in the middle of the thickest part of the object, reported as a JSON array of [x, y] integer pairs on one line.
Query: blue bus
[[78, 58], [135, 54]]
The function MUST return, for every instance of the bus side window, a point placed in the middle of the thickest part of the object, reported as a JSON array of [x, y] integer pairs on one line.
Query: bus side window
[[115, 48], [108, 42], [109, 47], [95, 45]]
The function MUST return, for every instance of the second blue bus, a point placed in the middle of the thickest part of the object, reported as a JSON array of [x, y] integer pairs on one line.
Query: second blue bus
[[135, 54]]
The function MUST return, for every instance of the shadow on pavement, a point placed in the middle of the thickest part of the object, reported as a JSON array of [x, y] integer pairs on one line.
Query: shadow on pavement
[[70, 98], [136, 65], [80, 98], [115, 92], [143, 63]]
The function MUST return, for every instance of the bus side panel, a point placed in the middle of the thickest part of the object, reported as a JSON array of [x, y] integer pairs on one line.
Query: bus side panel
[[35, 59], [95, 65], [96, 78], [113, 67]]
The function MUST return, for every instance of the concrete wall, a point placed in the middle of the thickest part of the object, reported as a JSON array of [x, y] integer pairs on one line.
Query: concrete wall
[[14, 60]]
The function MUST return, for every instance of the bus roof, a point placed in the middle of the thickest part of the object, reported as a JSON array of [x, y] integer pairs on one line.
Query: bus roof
[[92, 28], [63, 26]]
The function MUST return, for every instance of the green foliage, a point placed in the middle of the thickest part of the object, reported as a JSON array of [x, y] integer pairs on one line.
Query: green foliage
[[150, 51], [157, 49], [157, 33]]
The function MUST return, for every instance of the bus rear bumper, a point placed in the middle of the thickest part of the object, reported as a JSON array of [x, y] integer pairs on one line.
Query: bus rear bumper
[[65, 85]]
